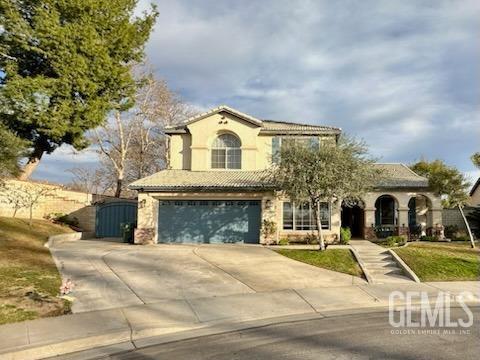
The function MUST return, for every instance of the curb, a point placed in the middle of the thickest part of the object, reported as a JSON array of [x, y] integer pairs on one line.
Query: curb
[[218, 328], [121, 333], [68, 237], [404, 266]]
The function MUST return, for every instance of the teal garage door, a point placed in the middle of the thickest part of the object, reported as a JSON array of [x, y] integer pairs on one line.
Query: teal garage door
[[209, 221], [110, 216]]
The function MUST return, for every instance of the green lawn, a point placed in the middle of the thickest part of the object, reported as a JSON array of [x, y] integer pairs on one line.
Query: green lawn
[[341, 260], [442, 261], [29, 280]]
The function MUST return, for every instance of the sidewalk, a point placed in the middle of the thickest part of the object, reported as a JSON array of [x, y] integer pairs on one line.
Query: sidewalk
[[137, 326]]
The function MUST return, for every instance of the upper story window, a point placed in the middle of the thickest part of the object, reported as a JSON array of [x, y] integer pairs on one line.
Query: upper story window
[[226, 152], [279, 142]]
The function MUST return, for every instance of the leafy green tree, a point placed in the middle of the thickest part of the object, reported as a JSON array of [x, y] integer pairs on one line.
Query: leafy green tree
[[476, 159], [12, 149], [64, 64], [328, 173], [445, 181]]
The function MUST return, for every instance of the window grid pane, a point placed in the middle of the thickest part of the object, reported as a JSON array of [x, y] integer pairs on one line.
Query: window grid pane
[[302, 217], [287, 216], [234, 159], [226, 152], [218, 158]]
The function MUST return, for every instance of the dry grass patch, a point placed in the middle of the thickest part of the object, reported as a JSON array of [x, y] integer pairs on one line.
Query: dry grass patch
[[29, 280]]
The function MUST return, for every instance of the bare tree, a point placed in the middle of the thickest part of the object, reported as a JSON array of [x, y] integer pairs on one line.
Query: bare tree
[[156, 108], [88, 180], [133, 144], [113, 142], [24, 196], [13, 196]]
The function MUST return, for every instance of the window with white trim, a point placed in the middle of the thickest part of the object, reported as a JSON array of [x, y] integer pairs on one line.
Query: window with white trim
[[226, 152], [302, 216]]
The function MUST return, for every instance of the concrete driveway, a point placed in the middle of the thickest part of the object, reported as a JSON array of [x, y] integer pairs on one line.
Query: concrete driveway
[[112, 275]]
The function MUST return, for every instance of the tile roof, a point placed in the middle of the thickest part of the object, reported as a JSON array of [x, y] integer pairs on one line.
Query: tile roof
[[400, 175], [202, 180], [267, 126], [397, 176], [283, 126]]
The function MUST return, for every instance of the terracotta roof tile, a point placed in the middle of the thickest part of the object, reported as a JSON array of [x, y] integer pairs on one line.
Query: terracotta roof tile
[[397, 176]]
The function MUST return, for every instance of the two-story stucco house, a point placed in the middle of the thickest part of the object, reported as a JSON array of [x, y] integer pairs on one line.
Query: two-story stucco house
[[215, 189], [475, 194]]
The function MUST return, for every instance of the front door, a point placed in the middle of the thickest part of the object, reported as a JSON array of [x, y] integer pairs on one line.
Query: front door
[[353, 218]]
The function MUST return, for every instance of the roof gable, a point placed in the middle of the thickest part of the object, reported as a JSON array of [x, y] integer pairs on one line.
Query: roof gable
[[226, 109], [475, 187], [270, 127]]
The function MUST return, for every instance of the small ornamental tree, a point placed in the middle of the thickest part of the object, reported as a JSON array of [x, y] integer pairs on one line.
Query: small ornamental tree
[[327, 173], [24, 196], [449, 183]]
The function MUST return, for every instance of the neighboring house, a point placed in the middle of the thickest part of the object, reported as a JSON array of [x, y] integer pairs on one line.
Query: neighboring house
[[216, 190], [475, 194]]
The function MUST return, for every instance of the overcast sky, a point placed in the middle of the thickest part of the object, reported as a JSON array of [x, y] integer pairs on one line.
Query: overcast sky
[[402, 75]]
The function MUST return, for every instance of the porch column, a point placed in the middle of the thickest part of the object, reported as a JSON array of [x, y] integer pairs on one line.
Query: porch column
[[270, 212], [369, 226], [147, 220], [403, 221]]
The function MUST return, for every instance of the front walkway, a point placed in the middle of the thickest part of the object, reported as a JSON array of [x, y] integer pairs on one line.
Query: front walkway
[[380, 265]]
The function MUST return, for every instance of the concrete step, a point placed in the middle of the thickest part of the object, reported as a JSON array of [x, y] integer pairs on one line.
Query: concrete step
[[393, 278], [376, 258], [380, 262], [387, 272], [383, 267]]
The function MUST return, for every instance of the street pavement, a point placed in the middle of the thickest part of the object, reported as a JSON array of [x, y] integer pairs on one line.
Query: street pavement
[[361, 336]]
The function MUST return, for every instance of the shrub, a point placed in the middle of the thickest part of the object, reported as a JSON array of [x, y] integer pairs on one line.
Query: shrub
[[62, 218], [461, 238], [451, 231], [345, 235], [311, 239], [284, 241], [395, 241], [429, 238], [416, 230]]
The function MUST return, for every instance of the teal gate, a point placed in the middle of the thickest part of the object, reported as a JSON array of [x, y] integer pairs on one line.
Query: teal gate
[[209, 221], [110, 216]]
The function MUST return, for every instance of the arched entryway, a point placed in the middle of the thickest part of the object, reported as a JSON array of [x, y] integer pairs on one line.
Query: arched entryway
[[419, 215], [353, 217], [386, 216]]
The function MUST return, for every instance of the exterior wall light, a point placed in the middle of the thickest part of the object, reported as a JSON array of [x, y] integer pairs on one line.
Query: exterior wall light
[[142, 204], [268, 204]]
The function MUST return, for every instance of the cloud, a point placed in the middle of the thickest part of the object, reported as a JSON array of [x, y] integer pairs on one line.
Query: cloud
[[401, 75], [54, 167]]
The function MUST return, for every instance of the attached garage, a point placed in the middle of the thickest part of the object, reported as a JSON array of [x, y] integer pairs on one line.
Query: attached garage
[[209, 221]]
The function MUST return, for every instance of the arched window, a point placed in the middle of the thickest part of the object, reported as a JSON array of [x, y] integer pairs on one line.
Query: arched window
[[386, 209], [226, 152]]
